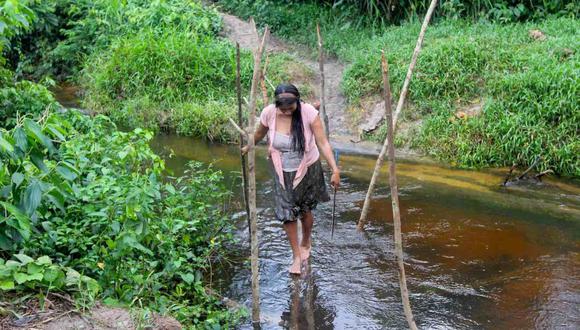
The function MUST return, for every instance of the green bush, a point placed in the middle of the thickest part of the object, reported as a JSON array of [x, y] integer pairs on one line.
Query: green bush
[[66, 32], [180, 80], [26, 274], [94, 199], [22, 98]]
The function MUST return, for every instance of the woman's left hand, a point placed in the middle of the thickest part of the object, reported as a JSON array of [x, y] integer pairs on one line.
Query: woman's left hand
[[335, 179]]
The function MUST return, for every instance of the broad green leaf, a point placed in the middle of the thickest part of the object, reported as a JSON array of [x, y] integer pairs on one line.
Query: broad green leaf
[[20, 278], [44, 260], [56, 198], [21, 217], [37, 158], [187, 278], [20, 138], [36, 131], [6, 285], [55, 132], [52, 274], [36, 276], [33, 268], [12, 264], [5, 145], [17, 178], [32, 197], [66, 173], [24, 259]]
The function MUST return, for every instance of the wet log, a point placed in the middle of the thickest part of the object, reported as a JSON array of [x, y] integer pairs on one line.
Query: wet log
[[534, 164], [404, 91], [508, 177]]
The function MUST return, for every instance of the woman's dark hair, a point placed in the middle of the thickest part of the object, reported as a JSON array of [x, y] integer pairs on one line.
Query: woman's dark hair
[[296, 129]]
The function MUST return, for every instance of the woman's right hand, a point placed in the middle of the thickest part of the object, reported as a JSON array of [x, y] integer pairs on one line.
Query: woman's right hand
[[245, 149]]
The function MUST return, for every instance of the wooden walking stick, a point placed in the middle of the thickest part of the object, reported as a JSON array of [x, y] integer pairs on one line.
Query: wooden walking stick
[[252, 176], [395, 197], [322, 93], [242, 138], [404, 91]]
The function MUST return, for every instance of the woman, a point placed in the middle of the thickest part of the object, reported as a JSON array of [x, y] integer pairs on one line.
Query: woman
[[295, 131]]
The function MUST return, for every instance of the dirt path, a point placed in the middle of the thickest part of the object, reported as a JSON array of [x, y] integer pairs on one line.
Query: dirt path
[[237, 30]]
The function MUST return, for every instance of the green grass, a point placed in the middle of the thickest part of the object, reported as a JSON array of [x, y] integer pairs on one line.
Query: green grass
[[528, 88], [180, 81]]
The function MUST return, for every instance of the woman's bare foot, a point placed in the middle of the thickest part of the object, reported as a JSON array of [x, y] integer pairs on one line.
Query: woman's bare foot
[[295, 268], [305, 252]]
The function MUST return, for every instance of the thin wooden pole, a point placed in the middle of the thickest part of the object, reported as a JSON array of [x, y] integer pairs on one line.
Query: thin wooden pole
[[404, 91], [242, 138], [263, 83], [252, 177], [395, 197], [322, 92]]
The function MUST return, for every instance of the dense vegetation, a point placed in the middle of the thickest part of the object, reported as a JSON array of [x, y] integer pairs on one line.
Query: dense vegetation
[[90, 210], [150, 64], [526, 85]]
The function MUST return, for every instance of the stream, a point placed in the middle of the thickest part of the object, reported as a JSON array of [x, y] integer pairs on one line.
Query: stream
[[478, 255]]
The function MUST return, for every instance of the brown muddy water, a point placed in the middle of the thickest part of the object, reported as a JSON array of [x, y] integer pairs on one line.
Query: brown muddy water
[[477, 255]]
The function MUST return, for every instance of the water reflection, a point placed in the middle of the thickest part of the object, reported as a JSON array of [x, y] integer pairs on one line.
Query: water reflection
[[303, 312]]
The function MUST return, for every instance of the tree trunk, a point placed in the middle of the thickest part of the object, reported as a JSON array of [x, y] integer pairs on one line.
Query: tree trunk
[[404, 91], [252, 177], [322, 92], [395, 197]]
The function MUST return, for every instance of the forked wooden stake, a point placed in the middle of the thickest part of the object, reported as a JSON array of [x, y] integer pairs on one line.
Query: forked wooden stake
[[404, 91], [395, 196]]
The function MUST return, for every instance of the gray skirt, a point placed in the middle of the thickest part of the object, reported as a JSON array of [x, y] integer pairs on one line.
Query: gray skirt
[[291, 204]]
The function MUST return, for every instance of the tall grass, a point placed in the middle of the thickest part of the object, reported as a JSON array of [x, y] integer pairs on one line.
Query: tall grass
[[178, 80], [528, 88]]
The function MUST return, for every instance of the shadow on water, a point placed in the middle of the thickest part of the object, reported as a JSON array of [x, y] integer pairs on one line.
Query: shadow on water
[[477, 255]]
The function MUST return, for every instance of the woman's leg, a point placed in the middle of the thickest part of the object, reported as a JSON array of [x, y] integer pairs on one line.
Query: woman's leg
[[291, 229], [305, 245]]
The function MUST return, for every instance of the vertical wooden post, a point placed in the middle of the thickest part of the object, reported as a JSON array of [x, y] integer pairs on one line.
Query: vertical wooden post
[[322, 92], [263, 83], [242, 137], [252, 177], [395, 197], [404, 91]]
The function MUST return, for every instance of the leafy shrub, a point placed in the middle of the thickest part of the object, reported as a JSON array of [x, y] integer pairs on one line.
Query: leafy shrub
[[27, 273], [96, 201], [181, 81], [65, 32], [23, 98]]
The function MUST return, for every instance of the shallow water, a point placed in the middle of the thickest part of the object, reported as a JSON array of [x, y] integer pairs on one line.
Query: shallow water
[[477, 255]]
